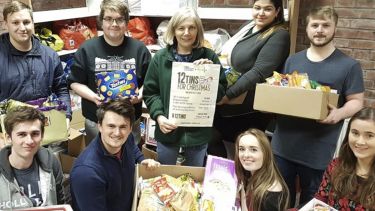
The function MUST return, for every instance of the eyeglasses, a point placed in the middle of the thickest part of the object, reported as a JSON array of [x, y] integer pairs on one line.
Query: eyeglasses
[[110, 20]]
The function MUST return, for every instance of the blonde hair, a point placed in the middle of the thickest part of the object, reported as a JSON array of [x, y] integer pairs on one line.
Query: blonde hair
[[179, 17], [257, 185]]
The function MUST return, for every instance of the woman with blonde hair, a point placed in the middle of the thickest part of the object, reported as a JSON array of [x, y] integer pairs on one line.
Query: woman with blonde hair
[[349, 181], [184, 38], [261, 185]]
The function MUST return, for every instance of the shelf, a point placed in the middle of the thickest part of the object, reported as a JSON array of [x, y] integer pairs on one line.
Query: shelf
[[63, 14], [66, 52]]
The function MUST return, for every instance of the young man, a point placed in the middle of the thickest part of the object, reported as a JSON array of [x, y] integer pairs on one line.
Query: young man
[[30, 175], [98, 54], [28, 70], [102, 177], [304, 147]]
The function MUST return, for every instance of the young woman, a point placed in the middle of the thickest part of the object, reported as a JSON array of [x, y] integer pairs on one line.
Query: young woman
[[259, 48], [261, 185], [184, 37], [349, 181]]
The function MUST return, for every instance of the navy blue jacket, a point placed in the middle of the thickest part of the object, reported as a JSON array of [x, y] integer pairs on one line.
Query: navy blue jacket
[[31, 75], [100, 181]]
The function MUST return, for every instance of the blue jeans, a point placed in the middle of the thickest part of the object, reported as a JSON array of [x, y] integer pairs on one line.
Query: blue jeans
[[310, 179], [194, 156]]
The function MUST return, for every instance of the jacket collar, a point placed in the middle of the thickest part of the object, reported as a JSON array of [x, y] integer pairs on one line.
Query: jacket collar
[[35, 50], [42, 157], [197, 53]]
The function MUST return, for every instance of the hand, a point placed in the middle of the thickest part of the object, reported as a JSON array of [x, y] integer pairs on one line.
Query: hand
[[223, 101], [166, 126], [96, 99], [333, 115], [203, 61], [150, 164]]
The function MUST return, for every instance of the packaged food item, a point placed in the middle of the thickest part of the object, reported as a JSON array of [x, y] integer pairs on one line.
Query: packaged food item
[[117, 83], [149, 201], [163, 190], [184, 200], [220, 182]]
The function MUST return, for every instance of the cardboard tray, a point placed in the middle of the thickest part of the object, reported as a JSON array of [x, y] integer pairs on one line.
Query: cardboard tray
[[299, 102], [175, 171]]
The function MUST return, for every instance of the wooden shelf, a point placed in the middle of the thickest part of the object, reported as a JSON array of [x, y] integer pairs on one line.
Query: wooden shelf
[[66, 52]]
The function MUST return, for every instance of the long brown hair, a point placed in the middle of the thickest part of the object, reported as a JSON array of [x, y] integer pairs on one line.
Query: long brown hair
[[344, 177], [257, 185], [278, 23]]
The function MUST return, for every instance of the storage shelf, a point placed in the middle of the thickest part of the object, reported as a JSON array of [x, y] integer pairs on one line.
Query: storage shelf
[[63, 14], [66, 52]]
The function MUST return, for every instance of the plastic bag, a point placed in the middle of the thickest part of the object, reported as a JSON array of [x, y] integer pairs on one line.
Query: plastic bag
[[52, 40], [217, 38], [140, 29], [75, 32]]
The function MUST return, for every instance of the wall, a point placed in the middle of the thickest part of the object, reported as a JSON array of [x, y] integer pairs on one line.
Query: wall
[[355, 33], [2, 3]]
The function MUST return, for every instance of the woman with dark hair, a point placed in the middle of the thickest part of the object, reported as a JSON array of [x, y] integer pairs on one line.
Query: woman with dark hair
[[349, 181], [259, 48], [261, 186]]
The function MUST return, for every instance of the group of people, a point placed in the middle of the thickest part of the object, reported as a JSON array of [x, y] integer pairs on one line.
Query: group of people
[[102, 176]]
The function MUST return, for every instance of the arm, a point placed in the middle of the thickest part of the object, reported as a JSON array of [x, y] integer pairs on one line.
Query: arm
[[272, 55], [152, 97], [354, 103], [88, 189], [325, 185], [59, 178], [85, 92], [60, 87]]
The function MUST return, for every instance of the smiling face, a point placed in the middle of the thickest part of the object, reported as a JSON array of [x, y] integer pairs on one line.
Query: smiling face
[[250, 153], [186, 35], [264, 13], [320, 31], [362, 139], [26, 138], [114, 27], [20, 27], [114, 130]]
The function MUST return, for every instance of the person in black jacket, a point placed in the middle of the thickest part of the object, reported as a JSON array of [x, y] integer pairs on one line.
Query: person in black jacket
[[29, 70], [258, 49]]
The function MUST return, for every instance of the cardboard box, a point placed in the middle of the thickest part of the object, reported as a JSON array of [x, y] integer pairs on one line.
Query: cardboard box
[[299, 102], [78, 120], [76, 142], [174, 171], [149, 153], [63, 207]]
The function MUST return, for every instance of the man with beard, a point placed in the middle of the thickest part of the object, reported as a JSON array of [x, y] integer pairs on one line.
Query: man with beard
[[304, 147]]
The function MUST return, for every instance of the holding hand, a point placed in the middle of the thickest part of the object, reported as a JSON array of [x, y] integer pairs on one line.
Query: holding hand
[[150, 164], [333, 116], [166, 126], [203, 61]]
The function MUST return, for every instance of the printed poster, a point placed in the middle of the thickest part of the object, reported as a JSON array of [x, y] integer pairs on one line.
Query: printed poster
[[193, 94]]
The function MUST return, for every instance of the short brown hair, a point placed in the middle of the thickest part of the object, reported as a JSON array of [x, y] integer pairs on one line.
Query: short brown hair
[[23, 114], [120, 106], [323, 12], [114, 5], [16, 6]]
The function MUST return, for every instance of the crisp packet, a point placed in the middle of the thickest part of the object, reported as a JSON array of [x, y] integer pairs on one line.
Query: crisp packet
[[164, 191]]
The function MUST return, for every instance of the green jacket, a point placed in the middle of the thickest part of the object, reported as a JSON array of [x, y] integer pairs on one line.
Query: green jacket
[[156, 92]]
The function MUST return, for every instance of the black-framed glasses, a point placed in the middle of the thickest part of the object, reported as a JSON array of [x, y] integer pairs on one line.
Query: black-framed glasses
[[119, 21]]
